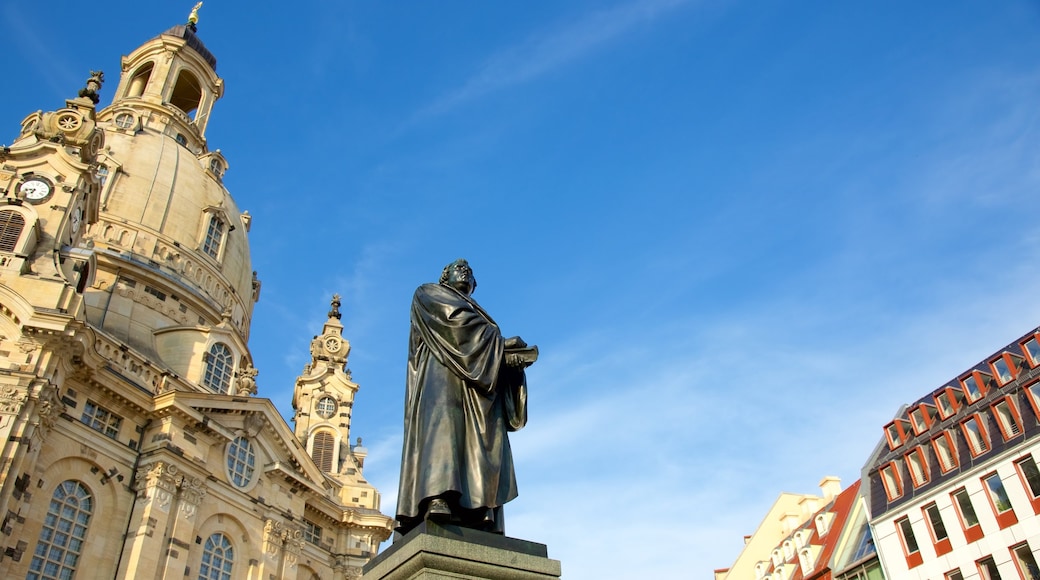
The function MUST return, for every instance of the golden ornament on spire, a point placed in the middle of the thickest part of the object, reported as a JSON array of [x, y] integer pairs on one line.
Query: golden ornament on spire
[[193, 18]]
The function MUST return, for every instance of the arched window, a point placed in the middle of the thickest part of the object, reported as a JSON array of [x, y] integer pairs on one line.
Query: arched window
[[187, 93], [241, 462], [214, 237], [140, 80], [11, 225], [218, 556], [65, 527], [321, 450], [219, 366]]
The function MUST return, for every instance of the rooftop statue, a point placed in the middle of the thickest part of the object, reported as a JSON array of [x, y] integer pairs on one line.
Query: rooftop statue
[[466, 389]]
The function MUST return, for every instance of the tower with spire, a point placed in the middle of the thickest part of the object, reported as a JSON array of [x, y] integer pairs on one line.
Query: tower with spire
[[323, 401], [133, 444]]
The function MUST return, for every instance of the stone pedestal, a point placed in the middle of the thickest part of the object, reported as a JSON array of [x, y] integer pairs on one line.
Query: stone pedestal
[[434, 552]]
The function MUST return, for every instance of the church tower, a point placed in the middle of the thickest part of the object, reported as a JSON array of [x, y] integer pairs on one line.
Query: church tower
[[323, 401], [131, 442]]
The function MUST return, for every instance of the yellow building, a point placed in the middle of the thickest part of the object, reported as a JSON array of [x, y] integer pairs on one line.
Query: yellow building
[[132, 444]]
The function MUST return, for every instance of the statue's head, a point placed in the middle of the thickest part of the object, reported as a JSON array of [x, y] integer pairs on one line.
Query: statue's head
[[459, 276]]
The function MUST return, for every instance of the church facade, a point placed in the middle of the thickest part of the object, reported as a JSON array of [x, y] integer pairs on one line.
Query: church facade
[[133, 444]]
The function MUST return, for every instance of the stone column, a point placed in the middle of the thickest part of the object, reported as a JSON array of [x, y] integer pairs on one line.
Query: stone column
[[162, 528], [156, 489], [182, 527]]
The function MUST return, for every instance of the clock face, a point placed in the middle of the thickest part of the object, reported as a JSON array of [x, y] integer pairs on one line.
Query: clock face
[[35, 189], [332, 344]]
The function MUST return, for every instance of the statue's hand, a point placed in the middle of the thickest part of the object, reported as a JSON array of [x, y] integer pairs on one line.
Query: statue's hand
[[514, 360], [515, 342]]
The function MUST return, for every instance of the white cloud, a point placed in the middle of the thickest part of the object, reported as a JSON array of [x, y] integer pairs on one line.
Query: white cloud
[[549, 50]]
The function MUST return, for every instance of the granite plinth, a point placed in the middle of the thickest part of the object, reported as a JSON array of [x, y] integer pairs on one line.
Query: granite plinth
[[434, 552]]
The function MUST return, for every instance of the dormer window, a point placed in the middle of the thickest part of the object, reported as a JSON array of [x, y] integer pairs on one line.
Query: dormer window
[[216, 167], [1007, 367], [214, 237], [948, 401], [972, 388], [806, 560], [921, 418], [124, 120], [788, 550], [823, 523], [897, 433], [219, 368], [1032, 349]]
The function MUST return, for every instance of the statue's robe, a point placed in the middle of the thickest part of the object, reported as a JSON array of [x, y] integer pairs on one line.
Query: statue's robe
[[461, 401]]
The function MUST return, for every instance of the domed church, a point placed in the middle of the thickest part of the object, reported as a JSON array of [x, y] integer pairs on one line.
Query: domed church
[[133, 444]]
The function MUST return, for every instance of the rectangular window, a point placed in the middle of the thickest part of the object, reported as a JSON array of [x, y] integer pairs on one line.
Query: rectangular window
[[1032, 349], [910, 548], [945, 451], [890, 479], [975, 433], [940, 539], [312, 532], [1002, 370], [921, 418], [1033, 394], [1030, 476], [948, 402], [896, 432], [999, 501], [988, 569], [966, 515], [972, 388], [214, 237], [1025, 561], [1008, 419], [918, 467], [954, 575], [101, 419]]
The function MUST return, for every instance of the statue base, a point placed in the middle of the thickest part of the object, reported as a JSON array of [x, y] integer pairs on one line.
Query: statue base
[[433, 551]]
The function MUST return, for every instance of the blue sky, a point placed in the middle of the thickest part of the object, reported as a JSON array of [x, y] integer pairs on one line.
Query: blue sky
[[742, 233]]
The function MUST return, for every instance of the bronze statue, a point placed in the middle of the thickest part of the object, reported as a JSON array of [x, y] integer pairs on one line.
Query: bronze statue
[[466, 389]]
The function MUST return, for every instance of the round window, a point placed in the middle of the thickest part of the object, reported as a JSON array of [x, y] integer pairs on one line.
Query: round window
[[326, 407]]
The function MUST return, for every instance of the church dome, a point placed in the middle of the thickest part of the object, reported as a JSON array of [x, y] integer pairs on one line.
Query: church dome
[[174, 270]]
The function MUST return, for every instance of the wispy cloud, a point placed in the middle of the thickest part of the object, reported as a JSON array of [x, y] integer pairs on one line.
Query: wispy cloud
[[549, 50]]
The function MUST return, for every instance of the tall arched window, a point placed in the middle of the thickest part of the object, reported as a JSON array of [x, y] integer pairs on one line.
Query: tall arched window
[[65, 527], [321, 450], [218, 556], [140, 80], [11, 225], [187, 92], [214, 237], [219, 366]]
